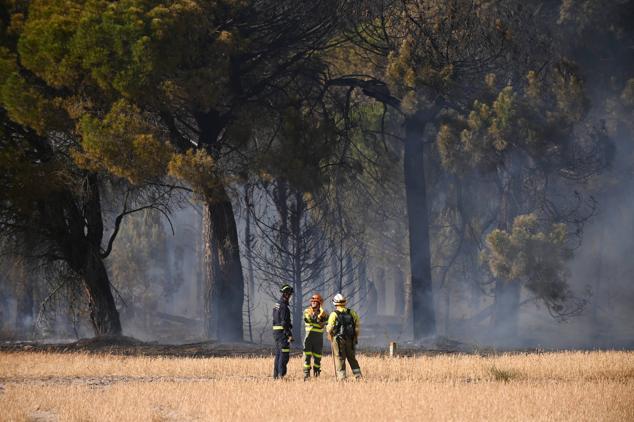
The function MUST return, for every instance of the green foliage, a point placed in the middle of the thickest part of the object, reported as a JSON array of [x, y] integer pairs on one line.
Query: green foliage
[[534, 121], [531, 255], [411, 72], [99, 70], [25, 182], [304, 144], [123, 143], [198, 169], [127, 48]]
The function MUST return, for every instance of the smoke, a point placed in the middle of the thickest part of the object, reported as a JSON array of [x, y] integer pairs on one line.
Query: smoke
[[158, 282]]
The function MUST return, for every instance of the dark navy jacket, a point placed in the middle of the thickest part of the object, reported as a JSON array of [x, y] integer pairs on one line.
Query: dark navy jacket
[[282, 318]]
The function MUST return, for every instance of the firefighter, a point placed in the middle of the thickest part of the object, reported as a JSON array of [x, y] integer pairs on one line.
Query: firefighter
[[343, 331], [315, 320], [282, 331]]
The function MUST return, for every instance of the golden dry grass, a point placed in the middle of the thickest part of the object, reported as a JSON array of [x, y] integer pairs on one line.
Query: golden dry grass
[[552, 386]]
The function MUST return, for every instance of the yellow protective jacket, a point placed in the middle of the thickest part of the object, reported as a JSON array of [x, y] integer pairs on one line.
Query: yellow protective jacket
[[315, 322], [332, 321]]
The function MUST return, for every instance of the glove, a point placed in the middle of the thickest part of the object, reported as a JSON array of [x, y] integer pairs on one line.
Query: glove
[[290, 339]]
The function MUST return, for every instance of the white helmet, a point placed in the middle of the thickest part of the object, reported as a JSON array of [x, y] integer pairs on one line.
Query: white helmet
[[339, 299]]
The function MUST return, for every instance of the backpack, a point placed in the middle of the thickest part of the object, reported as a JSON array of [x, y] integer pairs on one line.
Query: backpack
[[345, 326]]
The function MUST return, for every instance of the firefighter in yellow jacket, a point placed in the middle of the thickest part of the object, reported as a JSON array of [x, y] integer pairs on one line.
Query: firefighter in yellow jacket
[[343, 331], [315, 319]]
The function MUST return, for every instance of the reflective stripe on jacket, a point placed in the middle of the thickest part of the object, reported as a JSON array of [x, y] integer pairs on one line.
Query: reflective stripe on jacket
[[315, 322], [282, 318]]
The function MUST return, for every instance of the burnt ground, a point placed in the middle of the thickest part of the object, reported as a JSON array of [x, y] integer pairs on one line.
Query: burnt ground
[[128, 346]]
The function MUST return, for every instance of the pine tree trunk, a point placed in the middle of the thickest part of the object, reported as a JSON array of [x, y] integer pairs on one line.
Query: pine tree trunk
[[507, 293], [423, 314], [379, 283], [250, 275], [363, 286], [296, 235], [281, 202], [224, 282], [322, 260], [4, 304], [210, 289], [349, 270], [103, 312], [83, 251]]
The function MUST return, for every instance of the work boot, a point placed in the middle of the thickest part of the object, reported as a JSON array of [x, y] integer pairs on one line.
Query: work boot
[[316, 372], [306, 375]]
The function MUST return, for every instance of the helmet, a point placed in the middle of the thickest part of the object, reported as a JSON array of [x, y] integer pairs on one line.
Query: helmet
[[316, 297], [339, 299], [286, 289]]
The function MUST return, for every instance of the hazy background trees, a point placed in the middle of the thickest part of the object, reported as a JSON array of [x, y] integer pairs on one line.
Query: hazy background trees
[[458, 169]]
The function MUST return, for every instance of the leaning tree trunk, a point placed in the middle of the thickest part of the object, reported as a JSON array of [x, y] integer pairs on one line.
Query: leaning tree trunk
[[424, 320], [83, 251], [103, 311], [224, 282]]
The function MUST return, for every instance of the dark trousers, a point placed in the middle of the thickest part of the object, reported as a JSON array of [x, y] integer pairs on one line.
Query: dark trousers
[[313, 347], [282, 352]]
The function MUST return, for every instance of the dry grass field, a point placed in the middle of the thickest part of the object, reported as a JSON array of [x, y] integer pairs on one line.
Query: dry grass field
[[572, 386]]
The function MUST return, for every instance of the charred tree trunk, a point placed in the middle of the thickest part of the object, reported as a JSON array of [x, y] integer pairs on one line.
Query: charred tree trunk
[[349, 286], [224, 282], [379, 283], [296, 234], [210, 287], [103, 311], [372, 302], [407, 307], [83, 249], [319, 256], [281, 203], [363, 285], [249, 255], [423, 314], [4, 304], [507, 294]]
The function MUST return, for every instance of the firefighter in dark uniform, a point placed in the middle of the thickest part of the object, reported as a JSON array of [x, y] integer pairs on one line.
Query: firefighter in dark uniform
[[282, 331]]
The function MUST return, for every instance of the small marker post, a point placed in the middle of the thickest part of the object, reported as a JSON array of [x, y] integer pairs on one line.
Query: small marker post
[[392, 349]]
